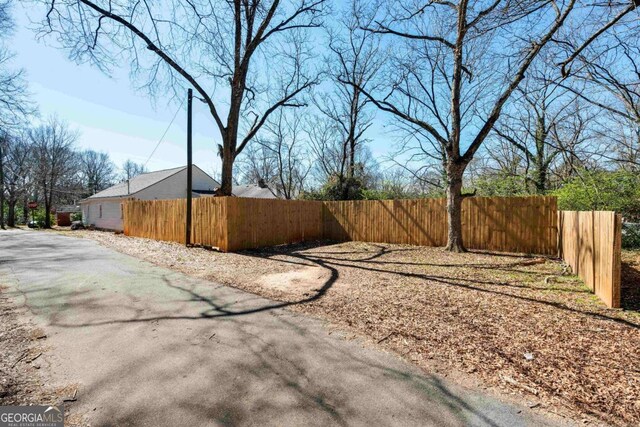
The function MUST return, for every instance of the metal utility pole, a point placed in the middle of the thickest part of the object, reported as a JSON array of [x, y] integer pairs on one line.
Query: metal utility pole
[[189, 167]]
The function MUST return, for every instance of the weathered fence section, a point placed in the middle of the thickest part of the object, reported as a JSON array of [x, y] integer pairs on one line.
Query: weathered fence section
[[507, 224], [590, 242]]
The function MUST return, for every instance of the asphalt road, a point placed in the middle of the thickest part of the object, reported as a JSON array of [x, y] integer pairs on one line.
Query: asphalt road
[[152, 347]]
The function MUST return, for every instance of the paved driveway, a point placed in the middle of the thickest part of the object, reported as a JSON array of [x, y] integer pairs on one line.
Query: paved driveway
[[152, 347]]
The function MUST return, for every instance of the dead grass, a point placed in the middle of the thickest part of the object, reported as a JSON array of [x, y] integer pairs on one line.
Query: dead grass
[[509, 322]]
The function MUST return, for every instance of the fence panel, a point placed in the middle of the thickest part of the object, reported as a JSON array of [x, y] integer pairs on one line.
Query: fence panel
[[254, 223], [155, 219], [165, 220], [511, 224], [590, 242]]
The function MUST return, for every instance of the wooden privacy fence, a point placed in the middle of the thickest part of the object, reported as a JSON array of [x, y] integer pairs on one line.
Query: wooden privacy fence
[[227, 223], [506, 224], [512, 224], [590, 242], [254, 223]]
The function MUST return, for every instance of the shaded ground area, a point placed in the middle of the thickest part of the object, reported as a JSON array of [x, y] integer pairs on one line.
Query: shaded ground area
[[511, 322], [630, 291], [151, 346], [22, 381]]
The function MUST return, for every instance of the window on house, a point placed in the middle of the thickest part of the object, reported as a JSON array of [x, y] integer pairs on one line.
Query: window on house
[[100, 211], [121, 210]]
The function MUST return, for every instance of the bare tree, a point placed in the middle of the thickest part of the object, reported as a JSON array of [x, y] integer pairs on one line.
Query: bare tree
[[326, 144], [233, 49], [532, 125], [590, 31], [131, 169], [607, 76], [17, 174], [257, 163], [54, 161], [97, 170], [355, 57], [282, 142], [462, 62], [573, 138], [15, 103]]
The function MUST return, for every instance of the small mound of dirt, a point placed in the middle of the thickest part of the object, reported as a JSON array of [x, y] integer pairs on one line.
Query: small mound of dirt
[[297, 282]]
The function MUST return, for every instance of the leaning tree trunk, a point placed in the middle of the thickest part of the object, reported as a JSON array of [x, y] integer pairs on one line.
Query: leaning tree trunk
[[454, 207]]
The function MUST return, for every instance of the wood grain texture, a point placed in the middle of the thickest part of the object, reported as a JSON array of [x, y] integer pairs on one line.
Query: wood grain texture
[[590, 242], [504, 224]]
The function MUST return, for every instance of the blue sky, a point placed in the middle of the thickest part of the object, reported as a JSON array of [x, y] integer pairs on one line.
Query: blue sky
[[109, 112]]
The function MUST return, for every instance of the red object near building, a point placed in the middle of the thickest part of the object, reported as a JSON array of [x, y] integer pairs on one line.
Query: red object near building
[[63, 215], [63, 219]]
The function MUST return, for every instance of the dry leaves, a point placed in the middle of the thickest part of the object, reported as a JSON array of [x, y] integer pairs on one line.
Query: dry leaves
[[21, 380], [475, 313]]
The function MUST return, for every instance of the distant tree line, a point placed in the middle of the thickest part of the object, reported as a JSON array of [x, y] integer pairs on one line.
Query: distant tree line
[[43, 164]]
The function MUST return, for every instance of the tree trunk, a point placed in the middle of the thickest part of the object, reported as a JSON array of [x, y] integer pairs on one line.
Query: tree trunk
[[11, 218], [541, 179], [226, 186], [352, 158], [47, 214], [1, 207], [541, 167], [25, 210], [454, 207]]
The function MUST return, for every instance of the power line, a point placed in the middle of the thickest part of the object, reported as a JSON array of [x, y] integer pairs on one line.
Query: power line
[[164, 134]]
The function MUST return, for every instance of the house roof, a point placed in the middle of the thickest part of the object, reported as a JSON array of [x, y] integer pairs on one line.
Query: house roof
[[138, 183], [67, 208], [254, 191]]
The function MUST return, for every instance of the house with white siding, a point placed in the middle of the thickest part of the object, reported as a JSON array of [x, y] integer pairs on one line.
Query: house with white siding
[[104, 210]]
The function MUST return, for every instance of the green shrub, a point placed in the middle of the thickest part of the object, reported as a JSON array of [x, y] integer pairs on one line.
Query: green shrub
[[38, 215], [631, 235], [602, 190], [337, 189], [500, 184]]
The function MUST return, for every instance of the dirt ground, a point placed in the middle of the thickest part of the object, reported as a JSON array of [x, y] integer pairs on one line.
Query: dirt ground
[[511, 323], [22, 380]]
